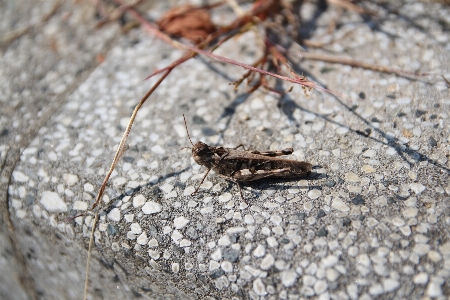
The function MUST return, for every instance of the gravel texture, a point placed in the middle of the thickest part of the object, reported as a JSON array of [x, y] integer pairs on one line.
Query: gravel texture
[[371, 221]]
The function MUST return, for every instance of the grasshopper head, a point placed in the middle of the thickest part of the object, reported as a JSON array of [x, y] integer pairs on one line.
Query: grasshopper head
[[202, 154]]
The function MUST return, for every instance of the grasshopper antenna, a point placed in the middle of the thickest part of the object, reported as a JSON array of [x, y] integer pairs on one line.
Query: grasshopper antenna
[[185, 125]]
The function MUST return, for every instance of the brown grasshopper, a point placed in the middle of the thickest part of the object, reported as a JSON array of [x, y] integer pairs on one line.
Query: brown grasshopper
[[246, 165]]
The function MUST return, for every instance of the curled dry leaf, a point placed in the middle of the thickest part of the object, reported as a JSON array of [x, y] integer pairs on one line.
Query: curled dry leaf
[[187, 21]]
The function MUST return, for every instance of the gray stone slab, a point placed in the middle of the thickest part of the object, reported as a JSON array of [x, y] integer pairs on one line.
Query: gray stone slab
[[371, 221]]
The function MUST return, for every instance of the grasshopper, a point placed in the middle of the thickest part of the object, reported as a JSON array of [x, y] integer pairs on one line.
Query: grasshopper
[[243, 166]]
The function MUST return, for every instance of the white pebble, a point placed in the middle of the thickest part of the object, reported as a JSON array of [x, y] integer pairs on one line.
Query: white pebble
[[417, 188], [434, 289], [376, 289], [185, 243], [352, 177], [175, 267], [176, 236], [276, 219], [180, 222], [369, 153], [139, 200], [338, 204], [259, 251], [421, 278], [224, 241], [153, 243], [390, 285], [213, 265], [151, 207], [52, 202], [320, 287], [272, 242], [20, 177], [142, 239], [80, 205], [88, 187], [135, 228], [70, 179], [267, 262], [227, 266], [314, 194], [329, 261], [259, 288], [217, 255], [421, 249], [398, 222], [114, 215], [288, 278], [248, 219]]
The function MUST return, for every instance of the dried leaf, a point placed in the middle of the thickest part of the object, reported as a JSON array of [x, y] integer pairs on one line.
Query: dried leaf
[[190, 22]]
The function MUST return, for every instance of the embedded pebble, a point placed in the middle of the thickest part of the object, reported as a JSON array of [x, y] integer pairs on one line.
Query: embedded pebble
[[417, 188], [320, 287], [114, 215], [142, 239], [180, 222], [368, 169], [314, 194], [376, 289], [371, 222], [329, 261], [248, 219], [410, 212], [390, 284], [338, 204], [276, 219], [288, 278], [70, 179], [405, 230], [176, 236], [308, 206], [80, 205], [259, 251], [175, 267], [139, 200], [267, 262], [398, 222], [20, 177], [421, 278], [227, 266], [224, 241], [213, 265], [135, 228], [434, 289], [434, 256], [352, 177], [259, 288], [332, 275], [217, 255], [151, 207], [421, 249], [225, 197], [153, 243], [185, 243], [369, 153], [52, 202]]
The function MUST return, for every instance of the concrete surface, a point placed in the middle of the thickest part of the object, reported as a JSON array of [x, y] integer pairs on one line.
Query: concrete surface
[[370, 222]]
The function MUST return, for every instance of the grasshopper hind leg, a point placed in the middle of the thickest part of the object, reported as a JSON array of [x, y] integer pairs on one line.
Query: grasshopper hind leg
[[203, 179]]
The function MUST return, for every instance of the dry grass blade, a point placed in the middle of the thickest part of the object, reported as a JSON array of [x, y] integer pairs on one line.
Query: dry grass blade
[[91, 239]]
